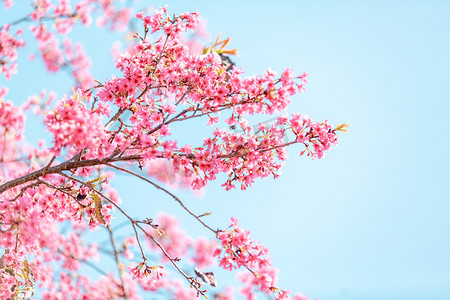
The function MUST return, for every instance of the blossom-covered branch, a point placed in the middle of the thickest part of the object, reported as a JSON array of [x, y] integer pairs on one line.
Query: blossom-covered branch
[[127, 124]]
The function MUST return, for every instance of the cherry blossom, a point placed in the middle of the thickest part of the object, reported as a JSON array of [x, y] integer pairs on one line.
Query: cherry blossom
[[55, 194]]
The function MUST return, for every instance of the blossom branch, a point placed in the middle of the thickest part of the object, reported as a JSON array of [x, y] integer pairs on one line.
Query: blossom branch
[[58, 189], [172, 260], [65, 166]]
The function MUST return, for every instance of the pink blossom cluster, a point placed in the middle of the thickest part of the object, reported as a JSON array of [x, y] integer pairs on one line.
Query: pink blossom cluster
[[9, 45], [8, 3], [12, 126], [51, 53], [64, 15], [79, 64], [197, 39], [116, 18], [148, 276], [176, 242], [239, 250], [320, 135], [255, 154], [12, 119], [41, 103], [10, 262], [82, 287], [73, 124], [23, 218], [29, 225], [203, 249], [161, 169], [171, 26], [56, 57]]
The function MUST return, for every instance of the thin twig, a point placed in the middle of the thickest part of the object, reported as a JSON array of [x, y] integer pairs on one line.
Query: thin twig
[[58, 189], [164, 190], [17, 21], [116, 257], [144, 258]]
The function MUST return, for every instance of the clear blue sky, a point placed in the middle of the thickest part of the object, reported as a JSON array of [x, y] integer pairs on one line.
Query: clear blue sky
[[370, 220]]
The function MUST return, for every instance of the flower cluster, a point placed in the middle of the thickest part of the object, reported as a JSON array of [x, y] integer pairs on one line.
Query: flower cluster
[[148, 275], [9, 45], [73, 124], [175, 241], [239, 250], [171, 26], [115, 18], [65, 16], [8, 3], [79, 64], [12, 125], [12, 119]]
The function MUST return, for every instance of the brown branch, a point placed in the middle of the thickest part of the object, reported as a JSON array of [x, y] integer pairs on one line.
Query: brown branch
[[50, 163], [65, 166], [26, 18]]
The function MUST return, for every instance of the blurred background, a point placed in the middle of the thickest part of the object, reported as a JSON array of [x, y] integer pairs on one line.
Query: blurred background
[[371, 219]]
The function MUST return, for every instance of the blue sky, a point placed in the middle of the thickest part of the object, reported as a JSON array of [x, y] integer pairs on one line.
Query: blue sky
[[371, 219]]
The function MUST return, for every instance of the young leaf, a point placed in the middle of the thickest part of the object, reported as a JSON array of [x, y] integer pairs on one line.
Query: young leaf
[[98, 209]]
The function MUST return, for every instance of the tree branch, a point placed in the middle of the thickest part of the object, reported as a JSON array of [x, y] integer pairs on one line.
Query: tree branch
[[65, 166]]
